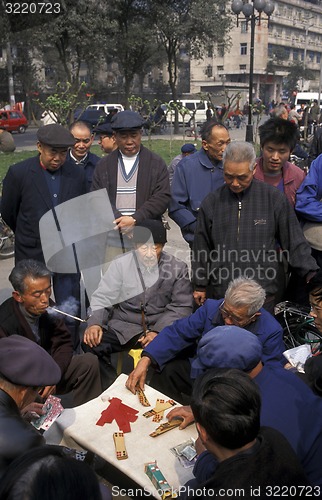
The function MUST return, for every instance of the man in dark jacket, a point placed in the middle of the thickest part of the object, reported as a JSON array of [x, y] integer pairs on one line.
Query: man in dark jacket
[[25, 314], [79, 154], [136, 180], [25, 368], [33, 187], [240, 454], [243, 229]]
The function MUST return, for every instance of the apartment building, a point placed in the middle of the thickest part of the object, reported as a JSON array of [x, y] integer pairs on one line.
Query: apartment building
[[293, 34]]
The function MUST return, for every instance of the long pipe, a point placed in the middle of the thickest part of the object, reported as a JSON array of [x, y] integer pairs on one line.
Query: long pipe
[[69, 315]]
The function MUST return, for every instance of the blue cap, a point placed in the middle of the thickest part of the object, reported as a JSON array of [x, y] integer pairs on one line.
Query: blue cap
[[227, 347], [24, 362], [103, 128], [188, 148], [127, 120]]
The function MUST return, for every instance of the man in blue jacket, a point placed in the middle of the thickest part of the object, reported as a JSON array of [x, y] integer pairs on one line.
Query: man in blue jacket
[[288, 404], [171, 349], [196, 176]]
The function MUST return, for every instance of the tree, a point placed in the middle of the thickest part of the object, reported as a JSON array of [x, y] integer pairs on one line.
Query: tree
[[134, 40], [295, 74], [190, 25], [64, 101]]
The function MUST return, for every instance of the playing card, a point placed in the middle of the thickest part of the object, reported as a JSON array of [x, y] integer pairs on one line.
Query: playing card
[[53, 410]]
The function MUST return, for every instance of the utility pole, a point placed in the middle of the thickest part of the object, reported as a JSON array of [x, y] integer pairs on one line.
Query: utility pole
[[12, 99]]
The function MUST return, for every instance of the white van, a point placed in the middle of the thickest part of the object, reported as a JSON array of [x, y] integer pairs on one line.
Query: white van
[[306, 98], [192, 105], [106, 107]]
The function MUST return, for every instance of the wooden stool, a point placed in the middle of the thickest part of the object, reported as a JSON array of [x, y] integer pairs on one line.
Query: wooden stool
[[134, 353]]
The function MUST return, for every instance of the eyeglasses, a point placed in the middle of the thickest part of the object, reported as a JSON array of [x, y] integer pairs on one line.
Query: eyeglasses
[[235, 319]]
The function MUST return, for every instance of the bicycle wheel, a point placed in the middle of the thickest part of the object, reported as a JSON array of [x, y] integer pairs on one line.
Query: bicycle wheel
[[7, 246]]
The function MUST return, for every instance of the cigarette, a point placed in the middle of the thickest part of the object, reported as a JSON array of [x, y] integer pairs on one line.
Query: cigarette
[[69, 315]]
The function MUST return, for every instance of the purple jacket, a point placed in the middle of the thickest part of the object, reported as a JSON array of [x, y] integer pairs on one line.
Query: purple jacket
[[293, 177]]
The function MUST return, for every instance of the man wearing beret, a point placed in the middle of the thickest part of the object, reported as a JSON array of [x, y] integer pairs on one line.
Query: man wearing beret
[[136, 180], [288, 404], [25, 314], [25, 369], [106, 138], [186, 150], [80, 154], [33, 187]]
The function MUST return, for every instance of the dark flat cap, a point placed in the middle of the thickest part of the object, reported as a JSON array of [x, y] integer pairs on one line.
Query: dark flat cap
[[23, 362], [127, 120], [103, 128], [150, 227], [188, 148], [227, 347], [56, 136]]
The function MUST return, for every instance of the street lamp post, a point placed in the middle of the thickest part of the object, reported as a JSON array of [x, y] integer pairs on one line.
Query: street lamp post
[[252, 11]]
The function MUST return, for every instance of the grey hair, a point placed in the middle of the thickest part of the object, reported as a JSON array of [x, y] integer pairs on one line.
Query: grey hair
[[279, 111], [239, 152], [243, 292], [27, 268]]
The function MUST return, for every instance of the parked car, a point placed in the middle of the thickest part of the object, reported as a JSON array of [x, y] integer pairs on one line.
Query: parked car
[[90, 116], [13, 121], [106, 107], [195, 106]]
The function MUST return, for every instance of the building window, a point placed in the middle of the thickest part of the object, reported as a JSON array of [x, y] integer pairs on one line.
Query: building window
[[311, 55], [243, 49], [210, 51], [318, 57], [209, 70], [243, 27], [221, 50], [220, 68], [296, 54], [242, 67]]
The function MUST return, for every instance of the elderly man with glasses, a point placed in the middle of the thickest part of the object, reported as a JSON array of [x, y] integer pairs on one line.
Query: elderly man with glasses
[[170, 352]]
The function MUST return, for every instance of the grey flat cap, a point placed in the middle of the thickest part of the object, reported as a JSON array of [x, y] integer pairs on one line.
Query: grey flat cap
[[127, 120], [56, 136]]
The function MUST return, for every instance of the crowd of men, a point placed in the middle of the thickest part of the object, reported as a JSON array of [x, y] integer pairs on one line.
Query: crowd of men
[[244, 219]]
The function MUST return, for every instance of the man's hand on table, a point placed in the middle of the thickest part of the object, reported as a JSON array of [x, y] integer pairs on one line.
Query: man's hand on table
[[138, 375], [93, 335], [184, 412]]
